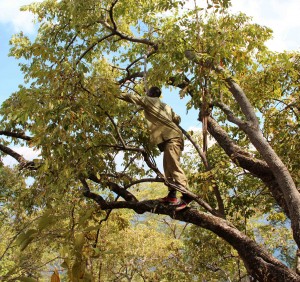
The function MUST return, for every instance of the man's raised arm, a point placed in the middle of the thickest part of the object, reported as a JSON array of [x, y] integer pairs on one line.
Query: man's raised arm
[[132, 98]]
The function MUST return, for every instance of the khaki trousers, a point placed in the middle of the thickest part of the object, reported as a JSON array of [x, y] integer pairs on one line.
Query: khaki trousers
[[173, 171]]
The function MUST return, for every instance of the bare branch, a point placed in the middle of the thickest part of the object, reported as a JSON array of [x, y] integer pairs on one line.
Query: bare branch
[[145, 180], [141, 58], [91, 47], [126, 195], [126, 37], [20, 135], [289, 106], [230, 115], [111, 13], [130, 76], [19, 158]]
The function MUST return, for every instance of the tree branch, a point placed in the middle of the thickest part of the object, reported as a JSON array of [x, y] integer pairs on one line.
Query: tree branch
[[126, 195], [20, 135], [223, 229], [232, 86], [145, 180], [126, 37], [141, 58], [243, 159], [19, 158], [91, 47], [230, 115], [207, 168], [240, 97], [198, 149], [130, 76], [111, 14], [116, 128]]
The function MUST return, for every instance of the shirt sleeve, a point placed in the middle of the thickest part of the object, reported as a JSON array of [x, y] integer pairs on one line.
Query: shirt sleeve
[[134, 99], [176, 118], [171, 114]]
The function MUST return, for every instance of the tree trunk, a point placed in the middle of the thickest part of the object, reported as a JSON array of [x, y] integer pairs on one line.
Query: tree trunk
[[279, 170], [256, 167]]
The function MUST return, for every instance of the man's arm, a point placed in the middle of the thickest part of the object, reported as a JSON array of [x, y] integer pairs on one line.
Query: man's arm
[[171, 114], [176, 118], [131, 98]]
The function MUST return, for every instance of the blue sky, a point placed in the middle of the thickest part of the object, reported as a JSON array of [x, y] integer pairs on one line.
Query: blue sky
[[281, 16]]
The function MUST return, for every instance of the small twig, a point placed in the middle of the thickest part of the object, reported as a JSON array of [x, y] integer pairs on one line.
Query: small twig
[[199, 151], [116, 128]]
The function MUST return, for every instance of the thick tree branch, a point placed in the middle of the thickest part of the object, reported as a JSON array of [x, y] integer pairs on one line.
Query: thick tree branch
[[20, 135], [131, 76], [233, 87], [243, 101], [19, 158], [283, 177], [269, 266], [122, 192], [230, 115], [256, 167]]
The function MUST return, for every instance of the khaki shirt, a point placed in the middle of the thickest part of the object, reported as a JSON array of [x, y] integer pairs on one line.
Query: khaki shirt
[[162, 121]]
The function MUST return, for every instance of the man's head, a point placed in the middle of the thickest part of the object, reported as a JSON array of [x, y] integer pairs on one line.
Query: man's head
[[154, 91]]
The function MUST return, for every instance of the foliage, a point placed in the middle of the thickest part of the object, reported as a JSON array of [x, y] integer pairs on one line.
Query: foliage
[[84, 55]]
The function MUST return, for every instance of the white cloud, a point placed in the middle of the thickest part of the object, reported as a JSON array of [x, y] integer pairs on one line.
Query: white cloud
[[28, 153], [11, 15], [280, 16]]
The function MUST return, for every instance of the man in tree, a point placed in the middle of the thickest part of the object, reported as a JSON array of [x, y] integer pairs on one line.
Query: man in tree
[[164, 132]]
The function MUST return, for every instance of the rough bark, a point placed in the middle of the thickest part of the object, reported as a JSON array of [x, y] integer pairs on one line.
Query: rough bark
[[260, 264], [278, 168], [255, 166], [250, 125]]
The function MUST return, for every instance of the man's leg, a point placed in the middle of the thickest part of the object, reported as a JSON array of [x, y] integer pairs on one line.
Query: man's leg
[[171, 162], [172, 168], [171, 197]]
